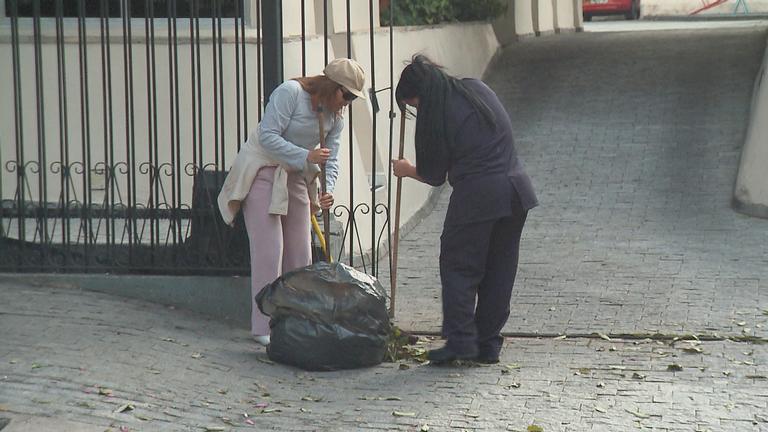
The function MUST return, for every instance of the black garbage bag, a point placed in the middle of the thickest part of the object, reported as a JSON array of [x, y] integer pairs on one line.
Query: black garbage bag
[[326, 316]]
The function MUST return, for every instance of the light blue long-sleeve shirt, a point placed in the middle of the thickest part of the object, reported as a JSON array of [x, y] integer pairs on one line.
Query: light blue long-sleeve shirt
[[289, 130]]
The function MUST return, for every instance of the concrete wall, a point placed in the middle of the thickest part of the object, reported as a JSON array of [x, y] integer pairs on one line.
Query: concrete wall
[[751, 191], [652, 8]]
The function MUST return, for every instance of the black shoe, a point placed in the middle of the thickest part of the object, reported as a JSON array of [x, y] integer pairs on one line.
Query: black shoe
[[445, 355], [487, 359]]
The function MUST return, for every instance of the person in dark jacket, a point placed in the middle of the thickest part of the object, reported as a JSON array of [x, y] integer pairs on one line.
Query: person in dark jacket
[[464, 133]]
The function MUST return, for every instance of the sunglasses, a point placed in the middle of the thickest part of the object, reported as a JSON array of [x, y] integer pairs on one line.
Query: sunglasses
[[348, 96]]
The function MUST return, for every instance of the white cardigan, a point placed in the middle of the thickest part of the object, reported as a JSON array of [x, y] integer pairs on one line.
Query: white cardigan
[[251, 158]]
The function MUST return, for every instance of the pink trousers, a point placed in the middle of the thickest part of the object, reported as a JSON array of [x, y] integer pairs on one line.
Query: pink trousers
[[278, 243]]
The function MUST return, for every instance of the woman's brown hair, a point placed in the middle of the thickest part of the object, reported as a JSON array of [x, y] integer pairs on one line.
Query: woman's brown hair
[[322, 89]]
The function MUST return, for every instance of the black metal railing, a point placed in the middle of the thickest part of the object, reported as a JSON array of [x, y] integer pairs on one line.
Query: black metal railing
[[139, 107]]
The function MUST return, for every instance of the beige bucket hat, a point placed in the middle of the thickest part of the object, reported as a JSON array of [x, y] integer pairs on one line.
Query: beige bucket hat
[[347, 73]]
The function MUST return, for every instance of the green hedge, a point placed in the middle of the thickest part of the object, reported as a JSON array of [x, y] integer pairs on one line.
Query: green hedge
[[422, 12]]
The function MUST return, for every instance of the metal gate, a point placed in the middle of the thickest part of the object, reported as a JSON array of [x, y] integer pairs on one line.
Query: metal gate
[[122, 117]]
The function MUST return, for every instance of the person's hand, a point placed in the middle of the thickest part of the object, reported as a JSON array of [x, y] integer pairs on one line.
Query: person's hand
[[326, 201], [319, 155], [402, 168]]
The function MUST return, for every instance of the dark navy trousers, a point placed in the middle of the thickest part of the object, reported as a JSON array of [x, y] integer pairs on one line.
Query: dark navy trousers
[[478, 265]]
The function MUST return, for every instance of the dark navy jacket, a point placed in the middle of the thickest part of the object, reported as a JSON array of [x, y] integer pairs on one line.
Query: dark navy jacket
[[481, 165]]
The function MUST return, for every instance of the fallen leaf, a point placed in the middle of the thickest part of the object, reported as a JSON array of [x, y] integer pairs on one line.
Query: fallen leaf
[[264, 360], [604, 336], [125, 408], [693, 350], [601, 384], [535, 428], [472, 415], [152, 371], [403, 414], [105, 391], [674, 367], [197, 356], [758, 377], [270, 410], [561, 337], [250, 422], [392, 398], [311, 399], [261, 405], [600, 409], [514, 385], [36, 366], [222, 391], [404, 366], [214, 428], [424, 428], [741, 323], [638, 376], [512, 366]]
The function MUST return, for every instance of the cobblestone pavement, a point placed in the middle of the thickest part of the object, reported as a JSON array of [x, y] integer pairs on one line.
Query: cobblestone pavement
[[84, 357], [633, 142]]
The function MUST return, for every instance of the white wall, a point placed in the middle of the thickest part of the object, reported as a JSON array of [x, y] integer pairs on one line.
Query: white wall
[[751, 191]]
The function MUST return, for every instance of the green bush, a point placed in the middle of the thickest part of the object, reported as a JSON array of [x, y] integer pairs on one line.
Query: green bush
[[424, 12], [478, 10]]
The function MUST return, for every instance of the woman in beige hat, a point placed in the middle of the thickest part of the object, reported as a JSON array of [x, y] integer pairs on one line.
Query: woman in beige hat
[[274, 177]]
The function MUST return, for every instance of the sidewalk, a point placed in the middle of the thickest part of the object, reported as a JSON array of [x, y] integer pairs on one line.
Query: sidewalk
[[85, 357]]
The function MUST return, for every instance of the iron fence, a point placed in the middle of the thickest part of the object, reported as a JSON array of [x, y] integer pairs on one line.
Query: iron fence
[[124, 117]]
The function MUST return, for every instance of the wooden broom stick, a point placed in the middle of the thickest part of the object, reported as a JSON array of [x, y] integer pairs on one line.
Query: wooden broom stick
[[324, 187], [396, 235]]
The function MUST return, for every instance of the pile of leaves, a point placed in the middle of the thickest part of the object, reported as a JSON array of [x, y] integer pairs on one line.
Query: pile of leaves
[[404, 346]]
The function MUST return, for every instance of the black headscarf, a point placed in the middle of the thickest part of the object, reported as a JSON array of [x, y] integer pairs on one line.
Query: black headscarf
[[426, 80]]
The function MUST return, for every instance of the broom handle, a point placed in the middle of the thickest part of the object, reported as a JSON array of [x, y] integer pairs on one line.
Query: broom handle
[[395, 245], [324, 186]]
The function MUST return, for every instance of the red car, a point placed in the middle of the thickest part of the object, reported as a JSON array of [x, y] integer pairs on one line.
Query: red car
[[629, 8]]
